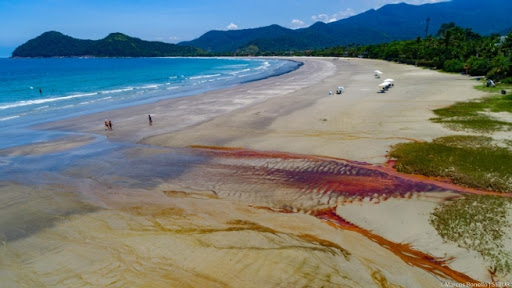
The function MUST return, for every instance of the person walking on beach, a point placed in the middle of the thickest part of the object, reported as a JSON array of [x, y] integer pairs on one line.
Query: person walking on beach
[[106, 125], [150, 120], [109, 125]]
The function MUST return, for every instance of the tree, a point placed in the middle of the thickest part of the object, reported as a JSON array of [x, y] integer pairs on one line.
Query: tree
[[478, 66], [445, 27], [500, 67], [453, 65]]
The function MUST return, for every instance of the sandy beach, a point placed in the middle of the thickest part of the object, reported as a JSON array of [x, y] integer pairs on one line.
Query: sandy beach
[[273, 183]]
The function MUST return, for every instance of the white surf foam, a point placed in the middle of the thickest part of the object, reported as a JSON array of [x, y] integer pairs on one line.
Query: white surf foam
[[41, 101]]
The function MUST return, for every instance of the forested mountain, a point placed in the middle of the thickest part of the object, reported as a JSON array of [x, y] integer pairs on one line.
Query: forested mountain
[[218, 41], [56, 44], [391, 22]]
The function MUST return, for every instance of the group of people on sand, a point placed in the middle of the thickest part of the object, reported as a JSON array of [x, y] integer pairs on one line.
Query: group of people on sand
[[108, 123]]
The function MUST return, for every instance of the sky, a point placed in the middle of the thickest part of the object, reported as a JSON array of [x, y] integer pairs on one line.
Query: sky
[[169, 21]]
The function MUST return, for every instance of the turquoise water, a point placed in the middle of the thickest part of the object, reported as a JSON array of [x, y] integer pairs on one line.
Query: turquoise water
[[33, 91]]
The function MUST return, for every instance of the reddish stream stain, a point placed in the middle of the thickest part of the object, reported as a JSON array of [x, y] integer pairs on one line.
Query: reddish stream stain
[[349, 180], [410, 256], [345, 177]]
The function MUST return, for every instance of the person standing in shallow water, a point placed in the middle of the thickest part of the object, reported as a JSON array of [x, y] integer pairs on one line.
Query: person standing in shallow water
[[109, 125], [150, 120], [106, 125]]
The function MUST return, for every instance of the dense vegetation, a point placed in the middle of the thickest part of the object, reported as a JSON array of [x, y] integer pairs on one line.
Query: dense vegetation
[[51, 44], [55, 44], [454, 49]]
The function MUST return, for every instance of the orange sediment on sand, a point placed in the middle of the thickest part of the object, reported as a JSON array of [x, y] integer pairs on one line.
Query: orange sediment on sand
[[411, 256]]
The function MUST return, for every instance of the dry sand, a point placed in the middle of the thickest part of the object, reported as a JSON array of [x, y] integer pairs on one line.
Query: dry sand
[[360, 124], [181, 234]]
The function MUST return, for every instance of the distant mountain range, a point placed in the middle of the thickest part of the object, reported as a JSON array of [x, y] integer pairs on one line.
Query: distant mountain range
[[389, 23], [56, 44]]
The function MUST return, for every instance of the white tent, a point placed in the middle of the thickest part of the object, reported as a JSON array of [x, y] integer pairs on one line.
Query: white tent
[[377, 72], [389, 80], [384, 85]]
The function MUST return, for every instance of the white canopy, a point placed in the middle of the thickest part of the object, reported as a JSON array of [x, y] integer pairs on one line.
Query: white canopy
[[377, 72], [384, 84], [389, 80]]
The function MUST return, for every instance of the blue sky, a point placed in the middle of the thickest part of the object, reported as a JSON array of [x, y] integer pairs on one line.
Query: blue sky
[[168, 21]]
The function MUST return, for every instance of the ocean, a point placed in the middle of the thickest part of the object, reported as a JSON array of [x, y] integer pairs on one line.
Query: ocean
[[39, 90]]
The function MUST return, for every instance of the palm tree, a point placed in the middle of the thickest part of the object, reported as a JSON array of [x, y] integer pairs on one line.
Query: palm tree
[[500, 67]]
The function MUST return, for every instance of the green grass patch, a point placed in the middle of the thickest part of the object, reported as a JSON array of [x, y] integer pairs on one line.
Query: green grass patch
[[478, 223], [472, 161], [469, 116]]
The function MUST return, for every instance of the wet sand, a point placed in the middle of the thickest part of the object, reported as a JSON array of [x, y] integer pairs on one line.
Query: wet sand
[[284, 210]]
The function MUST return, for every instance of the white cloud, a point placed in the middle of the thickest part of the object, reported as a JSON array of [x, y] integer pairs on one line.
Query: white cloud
[[232, 26], [297, 23], [344, 14], [322, 17], [334, 17]]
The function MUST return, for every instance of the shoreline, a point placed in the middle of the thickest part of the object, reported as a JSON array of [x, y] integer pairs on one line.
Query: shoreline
[[181, 112], [89, 98]]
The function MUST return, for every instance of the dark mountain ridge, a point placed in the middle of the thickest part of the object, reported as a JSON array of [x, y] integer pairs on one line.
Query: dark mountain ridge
[[390, 22], [56, 44]]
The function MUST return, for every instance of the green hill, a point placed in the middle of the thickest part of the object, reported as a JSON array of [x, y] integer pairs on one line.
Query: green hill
[[56, 44]]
